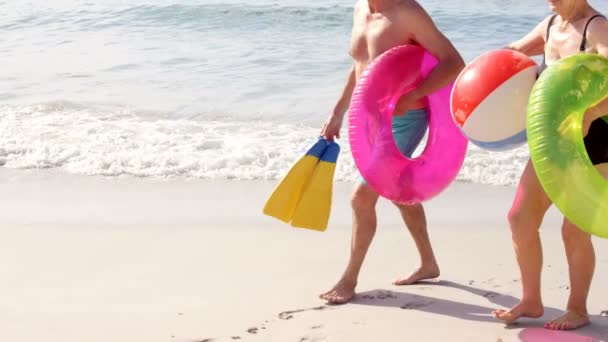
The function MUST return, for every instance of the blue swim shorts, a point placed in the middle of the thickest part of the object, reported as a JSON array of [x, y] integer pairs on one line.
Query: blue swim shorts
[[408, 131]]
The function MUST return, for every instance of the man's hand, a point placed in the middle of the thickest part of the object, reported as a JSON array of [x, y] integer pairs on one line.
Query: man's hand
[[406, 102], [331, 128]]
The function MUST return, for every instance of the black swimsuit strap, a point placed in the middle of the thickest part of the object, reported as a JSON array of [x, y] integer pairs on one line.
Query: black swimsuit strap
[[584, 41], [547, 35], [549, 26]]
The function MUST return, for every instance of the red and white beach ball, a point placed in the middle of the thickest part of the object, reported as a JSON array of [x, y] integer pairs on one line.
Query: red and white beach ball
[[490, 98]]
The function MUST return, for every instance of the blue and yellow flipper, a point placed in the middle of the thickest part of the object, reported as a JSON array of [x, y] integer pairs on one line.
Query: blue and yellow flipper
[[314, 207], [285, 197]]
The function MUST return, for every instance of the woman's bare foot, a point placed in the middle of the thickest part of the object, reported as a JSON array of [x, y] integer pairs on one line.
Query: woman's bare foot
[[568, 321], [341, 293], [423, 273], [531, 310]]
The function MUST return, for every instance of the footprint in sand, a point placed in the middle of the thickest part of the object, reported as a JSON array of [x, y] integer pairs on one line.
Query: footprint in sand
[[489, 281], [386, 295], [380, 295], [316, 337], [416, 305], [313, 339], [491, 295], [285, 315]]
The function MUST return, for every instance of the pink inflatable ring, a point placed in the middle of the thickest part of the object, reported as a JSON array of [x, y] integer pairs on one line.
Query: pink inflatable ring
[[381, 164]]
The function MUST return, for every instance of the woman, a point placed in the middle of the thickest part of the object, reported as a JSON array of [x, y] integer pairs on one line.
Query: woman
[[575, 27]]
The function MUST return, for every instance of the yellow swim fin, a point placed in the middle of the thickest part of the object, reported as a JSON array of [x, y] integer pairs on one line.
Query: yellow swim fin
[[285, 197], [314, 207]]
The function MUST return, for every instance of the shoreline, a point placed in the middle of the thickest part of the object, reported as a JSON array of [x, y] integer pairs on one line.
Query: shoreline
[[91, 259]]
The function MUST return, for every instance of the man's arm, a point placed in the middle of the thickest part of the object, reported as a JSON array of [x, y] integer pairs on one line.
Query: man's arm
[[347, 92], [331, 127], [426, 34]]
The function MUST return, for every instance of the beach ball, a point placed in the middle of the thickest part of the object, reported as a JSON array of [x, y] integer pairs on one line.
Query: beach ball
[[490, 98]]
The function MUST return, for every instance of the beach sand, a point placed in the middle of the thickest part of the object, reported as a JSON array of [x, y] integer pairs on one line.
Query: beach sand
[[95, 259]]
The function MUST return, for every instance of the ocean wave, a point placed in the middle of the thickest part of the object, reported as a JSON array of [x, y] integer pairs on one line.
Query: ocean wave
[[116, 141]]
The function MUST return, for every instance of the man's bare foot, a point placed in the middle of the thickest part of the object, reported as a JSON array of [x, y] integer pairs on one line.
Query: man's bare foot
[[341, 293], [568, 321], [532, 310], [423, 273]]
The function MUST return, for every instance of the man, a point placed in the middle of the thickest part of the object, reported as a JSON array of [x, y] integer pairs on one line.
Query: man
[[575, 28], [379, 25]]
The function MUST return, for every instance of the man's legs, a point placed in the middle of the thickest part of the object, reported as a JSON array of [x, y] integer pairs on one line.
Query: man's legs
[[526, 215], [363, 202], [408, 130], [415, 220]]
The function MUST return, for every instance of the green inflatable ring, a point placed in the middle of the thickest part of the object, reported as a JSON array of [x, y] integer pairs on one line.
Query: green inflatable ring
[[557, 103]]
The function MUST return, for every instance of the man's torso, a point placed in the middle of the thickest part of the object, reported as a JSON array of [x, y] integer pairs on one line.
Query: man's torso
[[375, 33]]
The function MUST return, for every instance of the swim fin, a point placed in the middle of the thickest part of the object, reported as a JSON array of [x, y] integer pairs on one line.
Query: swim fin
[[285, 197], [314, 208]]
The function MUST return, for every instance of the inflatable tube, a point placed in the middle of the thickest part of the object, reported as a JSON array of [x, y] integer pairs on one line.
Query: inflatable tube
[[381, 164], [557, 104]]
